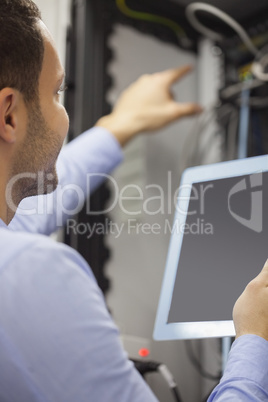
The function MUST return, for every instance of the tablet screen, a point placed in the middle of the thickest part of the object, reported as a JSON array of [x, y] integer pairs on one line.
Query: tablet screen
[[225, 245]]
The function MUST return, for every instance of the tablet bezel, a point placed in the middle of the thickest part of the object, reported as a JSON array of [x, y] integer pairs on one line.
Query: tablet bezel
[[203, 329]]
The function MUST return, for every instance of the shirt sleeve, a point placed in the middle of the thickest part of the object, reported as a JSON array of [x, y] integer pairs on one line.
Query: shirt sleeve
[[62, 336], [245, 378], [83, 165]]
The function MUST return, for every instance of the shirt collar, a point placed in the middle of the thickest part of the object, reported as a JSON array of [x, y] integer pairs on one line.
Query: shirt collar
[[2, 224]]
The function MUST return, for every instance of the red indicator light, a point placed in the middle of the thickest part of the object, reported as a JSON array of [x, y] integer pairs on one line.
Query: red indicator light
[[144, 352]]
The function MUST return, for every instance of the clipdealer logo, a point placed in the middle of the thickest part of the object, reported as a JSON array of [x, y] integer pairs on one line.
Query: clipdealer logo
[[255, 192]]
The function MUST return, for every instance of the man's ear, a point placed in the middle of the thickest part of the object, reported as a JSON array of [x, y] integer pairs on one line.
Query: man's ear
[[9, 99]]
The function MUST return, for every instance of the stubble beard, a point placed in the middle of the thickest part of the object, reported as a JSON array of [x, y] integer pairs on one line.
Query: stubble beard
[[35, 162]]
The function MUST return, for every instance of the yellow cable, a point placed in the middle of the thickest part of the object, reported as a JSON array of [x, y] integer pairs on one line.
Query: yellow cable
[[179, 31]]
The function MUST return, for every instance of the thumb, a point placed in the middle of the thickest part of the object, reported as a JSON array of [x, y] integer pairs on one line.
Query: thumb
[[184, 109], [265, 268], [263, 275], [174, 74]]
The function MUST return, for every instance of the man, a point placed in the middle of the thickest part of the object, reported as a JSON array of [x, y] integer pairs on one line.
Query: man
[[57, 340]]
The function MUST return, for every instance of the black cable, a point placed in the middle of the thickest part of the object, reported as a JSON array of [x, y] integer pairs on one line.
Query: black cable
[[176, 394], [196, 363], [167, 375], [145, 367]]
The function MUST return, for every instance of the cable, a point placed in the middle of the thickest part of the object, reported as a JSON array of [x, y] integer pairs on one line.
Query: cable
[[176, 394], [176, 28], [197, 364], [201, 140], [145, 367], [194, 7], [255, 101], [243, 125], [166, 374], [257, 134], [191, 148], [236, 89], [227, 119], [259, 67], [232, 135], [230, 93]]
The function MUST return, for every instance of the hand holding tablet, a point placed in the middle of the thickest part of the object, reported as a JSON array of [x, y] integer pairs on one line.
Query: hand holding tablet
[[219, 241]]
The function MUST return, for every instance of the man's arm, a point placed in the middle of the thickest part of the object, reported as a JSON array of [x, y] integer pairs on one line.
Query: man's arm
[[246, 374], [145, 106]]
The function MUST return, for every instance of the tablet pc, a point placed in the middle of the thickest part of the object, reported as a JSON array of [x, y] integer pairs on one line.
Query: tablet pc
[[219, 242]]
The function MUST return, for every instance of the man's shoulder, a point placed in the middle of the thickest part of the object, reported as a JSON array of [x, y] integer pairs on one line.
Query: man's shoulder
[[21, 249], [25, 242]]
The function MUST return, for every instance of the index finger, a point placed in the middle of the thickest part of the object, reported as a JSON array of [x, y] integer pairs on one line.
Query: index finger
[[263, 275], [175, 74]]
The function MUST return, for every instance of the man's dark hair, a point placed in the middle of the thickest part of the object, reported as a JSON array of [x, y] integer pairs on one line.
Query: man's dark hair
[[21, 47]]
